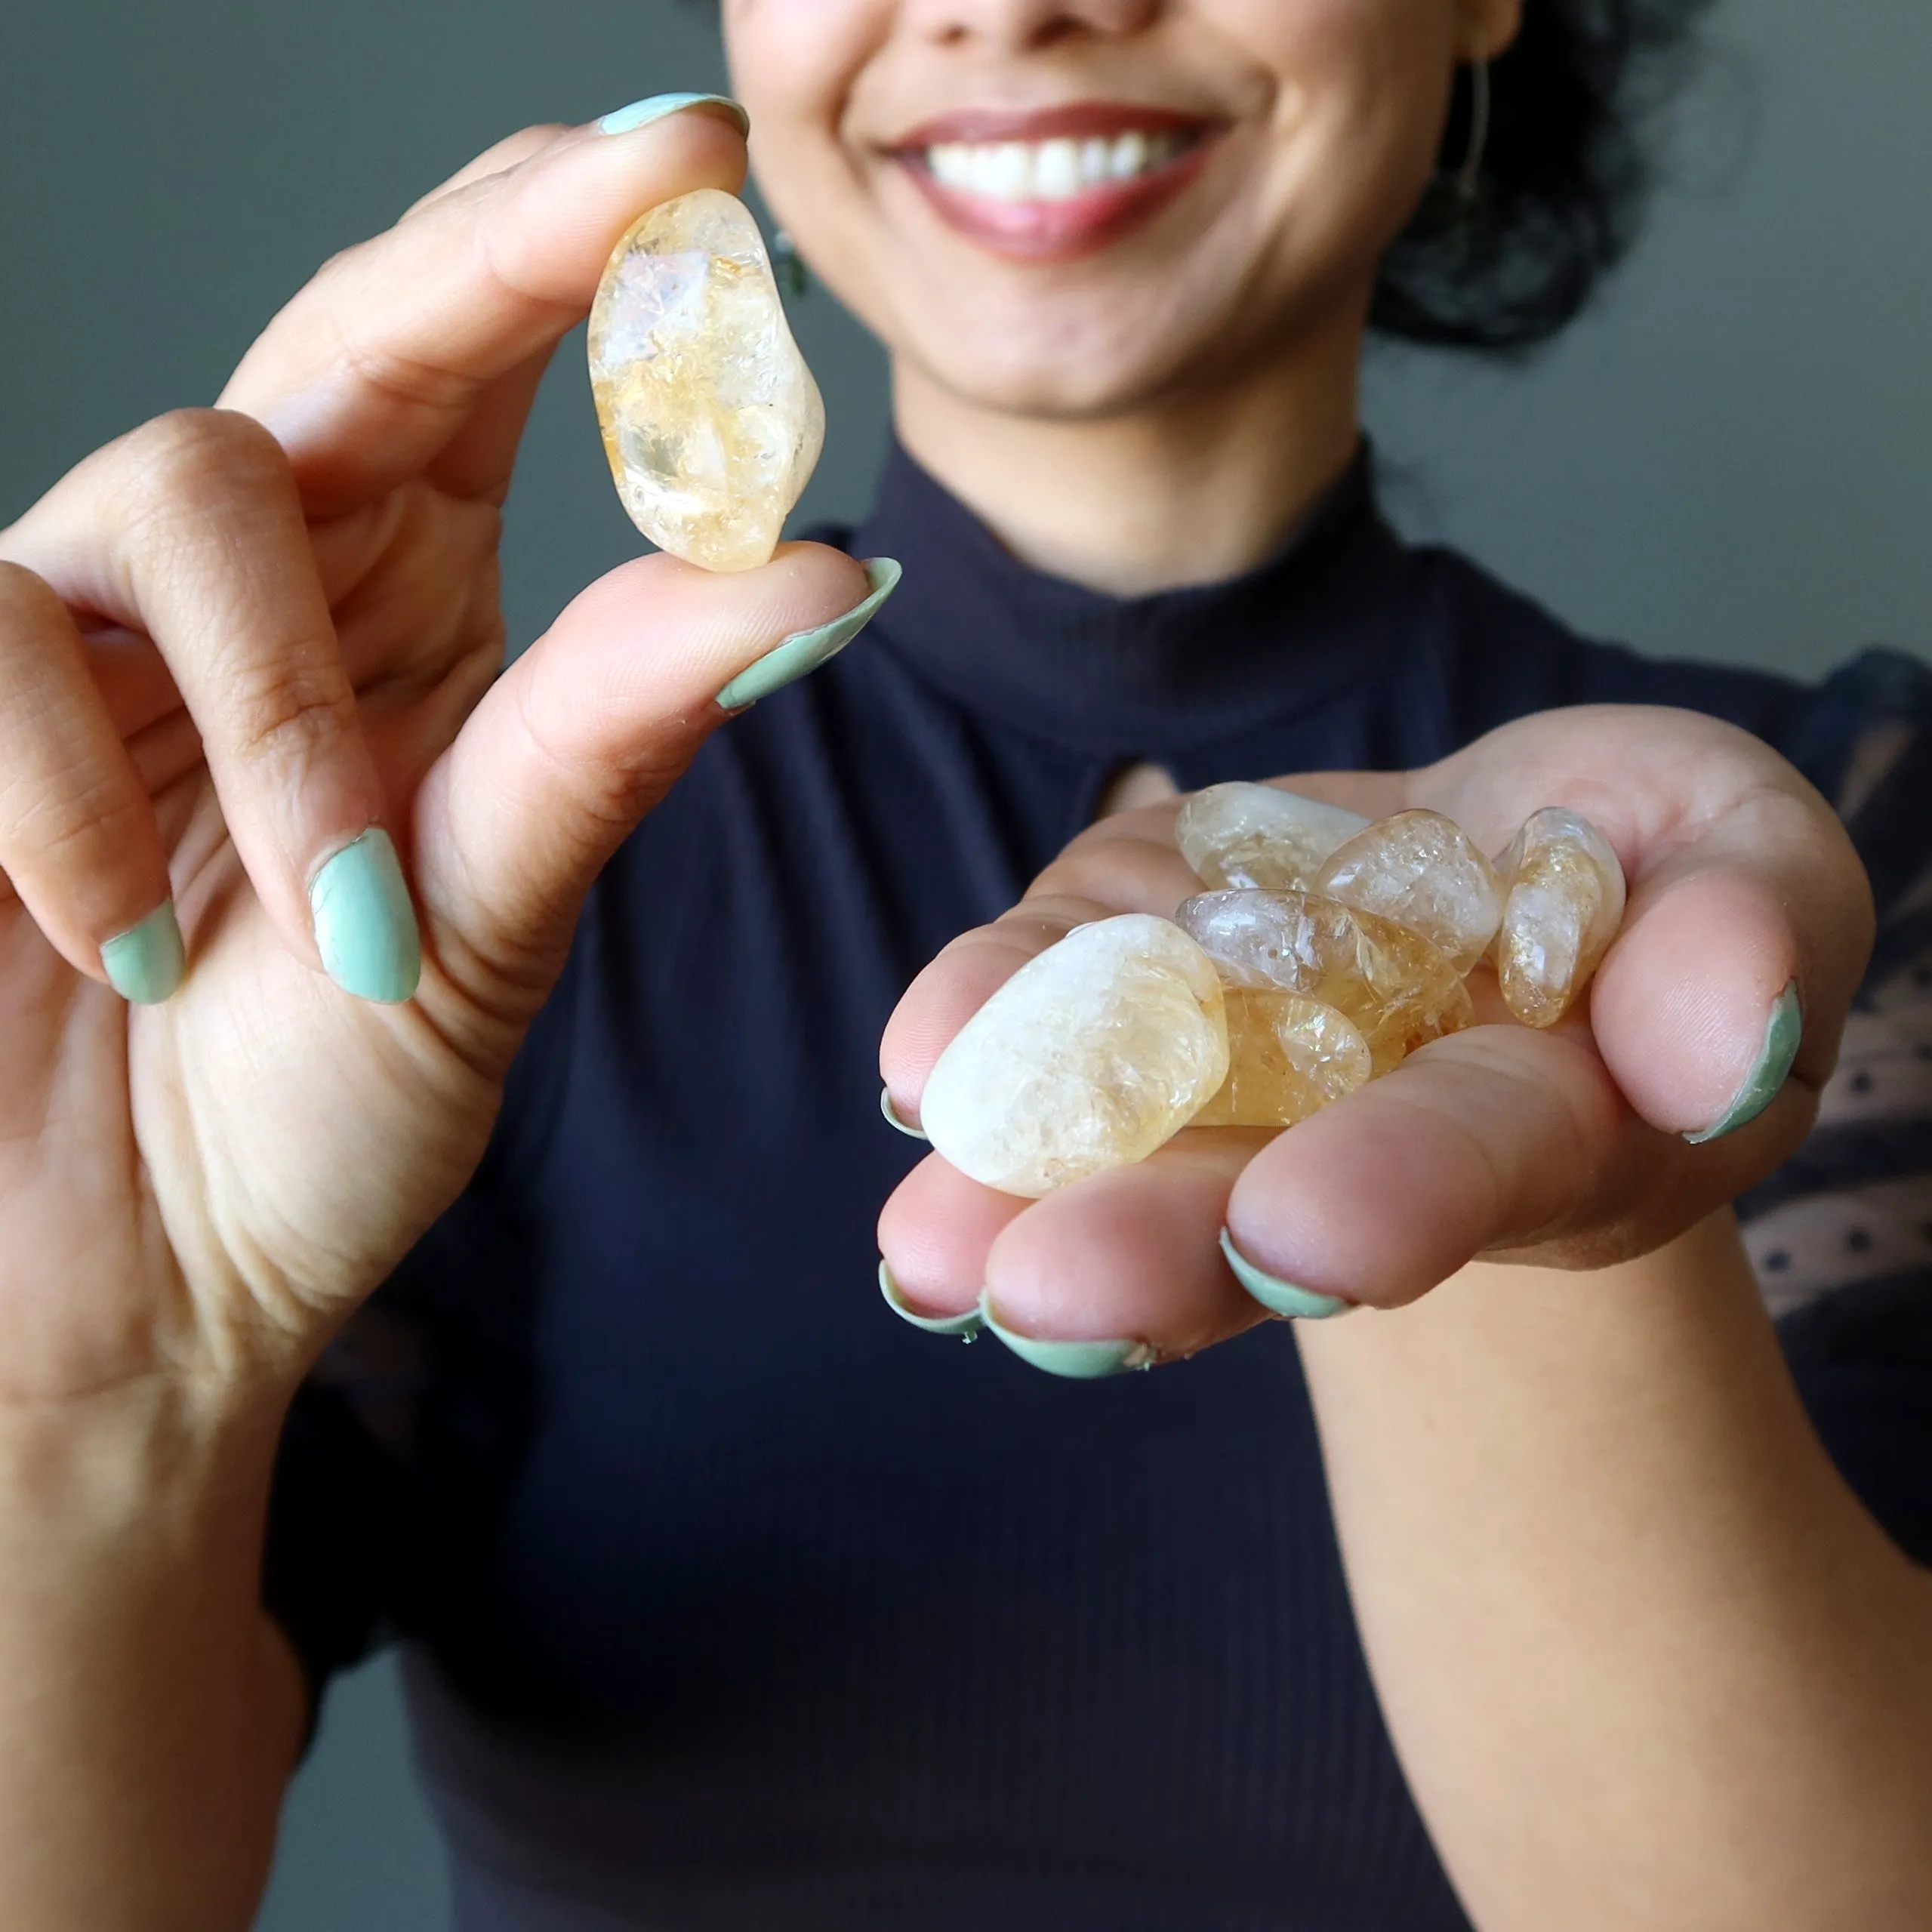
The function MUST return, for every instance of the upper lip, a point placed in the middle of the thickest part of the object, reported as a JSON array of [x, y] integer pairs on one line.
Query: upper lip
[[1075, 119]]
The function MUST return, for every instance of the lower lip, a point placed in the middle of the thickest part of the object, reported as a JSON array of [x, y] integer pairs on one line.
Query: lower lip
[[1058, 231]]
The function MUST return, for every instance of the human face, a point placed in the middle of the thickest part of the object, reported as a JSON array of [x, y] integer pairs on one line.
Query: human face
[[1073, 207]]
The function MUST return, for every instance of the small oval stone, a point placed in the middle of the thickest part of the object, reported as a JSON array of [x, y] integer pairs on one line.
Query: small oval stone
[[1400, 991], [1425, 872], [1564, 904], [1090, 1056], [1248, 837], [1288, 1057], [711, 420]]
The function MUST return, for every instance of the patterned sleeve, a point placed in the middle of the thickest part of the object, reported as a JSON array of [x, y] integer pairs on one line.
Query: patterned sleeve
[[1841, 1236]]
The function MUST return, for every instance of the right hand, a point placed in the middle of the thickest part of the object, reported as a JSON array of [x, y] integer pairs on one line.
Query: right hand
[[230, 644]]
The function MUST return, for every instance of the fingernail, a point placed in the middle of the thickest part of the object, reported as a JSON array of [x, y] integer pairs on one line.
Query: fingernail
[[1281, 1298], [144, 964], [892, 1120], [1769, 1071], [365, 927], [1077, 1361], [804, 651], [967, 1325], [641, 113]]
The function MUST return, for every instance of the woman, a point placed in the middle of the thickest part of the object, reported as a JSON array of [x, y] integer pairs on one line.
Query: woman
[[730, 1600]]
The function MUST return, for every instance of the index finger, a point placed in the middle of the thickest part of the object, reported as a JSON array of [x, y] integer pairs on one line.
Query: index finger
[[376, 366]]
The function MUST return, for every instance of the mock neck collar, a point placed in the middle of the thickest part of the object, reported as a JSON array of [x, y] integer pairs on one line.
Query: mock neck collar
[[1131, 675]]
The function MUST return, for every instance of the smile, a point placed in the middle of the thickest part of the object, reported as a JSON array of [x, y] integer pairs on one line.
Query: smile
[[1056, 184]]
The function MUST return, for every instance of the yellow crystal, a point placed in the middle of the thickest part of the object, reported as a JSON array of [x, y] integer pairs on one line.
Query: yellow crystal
[[1425, 872], [1090, 1056], [1288, 1055], [1246, 836], [1565, 902], [711, 420], [1399, 991]]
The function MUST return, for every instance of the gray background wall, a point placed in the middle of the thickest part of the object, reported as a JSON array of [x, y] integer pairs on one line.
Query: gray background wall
[[1731, 457]]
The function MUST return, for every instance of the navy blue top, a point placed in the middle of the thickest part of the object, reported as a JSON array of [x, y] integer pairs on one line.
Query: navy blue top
[[729, 1600]]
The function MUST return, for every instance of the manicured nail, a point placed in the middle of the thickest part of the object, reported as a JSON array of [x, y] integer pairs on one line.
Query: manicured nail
[[1281, 1298], [144, 964], [365, 927], [805, 650], [1078, 1361], [967, 1325], [1769, 1071], [892, 1120], [641, 113]]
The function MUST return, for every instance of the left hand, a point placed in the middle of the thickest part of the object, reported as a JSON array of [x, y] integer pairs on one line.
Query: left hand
[[1566, 1148]]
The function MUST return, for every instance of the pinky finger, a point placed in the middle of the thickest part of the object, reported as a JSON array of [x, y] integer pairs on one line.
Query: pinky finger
[[78, 837]]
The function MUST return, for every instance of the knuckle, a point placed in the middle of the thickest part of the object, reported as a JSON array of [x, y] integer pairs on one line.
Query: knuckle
[[288, 708], [183, 460]]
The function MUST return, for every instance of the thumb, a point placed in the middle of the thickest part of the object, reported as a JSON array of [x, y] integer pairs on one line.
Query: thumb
[[584, 734]]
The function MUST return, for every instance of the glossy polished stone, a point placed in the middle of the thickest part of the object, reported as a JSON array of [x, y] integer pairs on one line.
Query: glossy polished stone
[[1091, 1056], [710, 419], [1242, 836], [1399, 991], [1425, 872], [1288, 1056], [1564, 904]]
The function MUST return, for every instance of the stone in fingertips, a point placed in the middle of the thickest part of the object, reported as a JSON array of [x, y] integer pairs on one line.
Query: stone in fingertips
[[712, 422], [1564, 902]]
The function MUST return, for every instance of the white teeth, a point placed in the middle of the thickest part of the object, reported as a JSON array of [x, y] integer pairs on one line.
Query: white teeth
[[1056, 171], [1050, 170]]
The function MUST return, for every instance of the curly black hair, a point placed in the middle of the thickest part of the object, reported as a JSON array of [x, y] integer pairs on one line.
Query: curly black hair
[[1563, 178]]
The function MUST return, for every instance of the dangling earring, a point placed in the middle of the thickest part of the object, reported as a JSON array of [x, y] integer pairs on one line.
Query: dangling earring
[[1469, 175], [792, 276]]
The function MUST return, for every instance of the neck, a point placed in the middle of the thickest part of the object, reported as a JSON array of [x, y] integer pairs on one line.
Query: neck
[[1191, 489]]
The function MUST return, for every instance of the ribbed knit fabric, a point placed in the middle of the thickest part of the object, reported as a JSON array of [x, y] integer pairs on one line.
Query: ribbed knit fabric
[[731, 1602]]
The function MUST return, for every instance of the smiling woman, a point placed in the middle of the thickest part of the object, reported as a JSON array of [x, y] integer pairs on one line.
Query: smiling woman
[[440, 1154]]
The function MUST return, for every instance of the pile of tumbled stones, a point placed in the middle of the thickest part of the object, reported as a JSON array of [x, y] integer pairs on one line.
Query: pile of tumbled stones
[[1327, 949]]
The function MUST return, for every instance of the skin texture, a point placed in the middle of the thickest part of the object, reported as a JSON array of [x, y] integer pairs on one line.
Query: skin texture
[[224, 653], [237, 639]]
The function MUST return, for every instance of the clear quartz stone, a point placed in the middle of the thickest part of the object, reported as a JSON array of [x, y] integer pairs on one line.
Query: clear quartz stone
[[711, 420], [1425, 872], [1244, 836], [1564, 904], [1288, 1056], [1090, 1056], [1399, 991]]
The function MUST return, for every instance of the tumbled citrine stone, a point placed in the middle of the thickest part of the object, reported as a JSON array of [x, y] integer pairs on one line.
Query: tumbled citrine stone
[[1288, 1056], [1242, 836], [711, 420], [1425, 872], [1090, 1056], [1564, 904], [1399, 991]]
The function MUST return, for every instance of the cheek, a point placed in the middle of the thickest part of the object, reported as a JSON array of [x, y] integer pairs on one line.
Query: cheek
[[793, 62]]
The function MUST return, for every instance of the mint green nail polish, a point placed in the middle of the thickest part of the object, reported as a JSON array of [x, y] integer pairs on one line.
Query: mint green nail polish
[[144, 964], [1769, 1071], [966, 1325], [1077, 1361], [892, 1120], [641, 113], [365, 927], [804, 651], [1281, 1298]]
